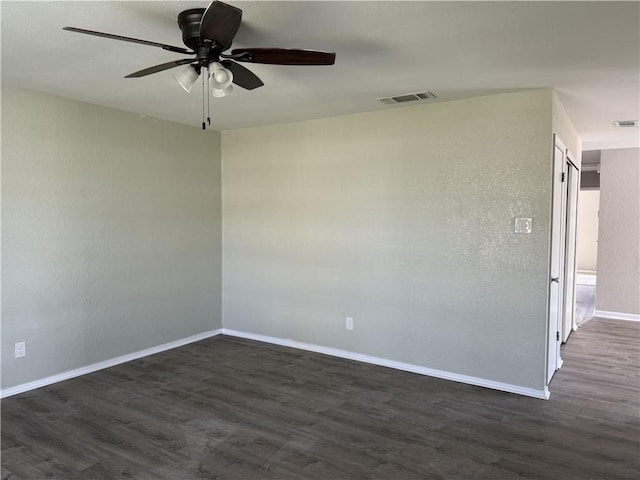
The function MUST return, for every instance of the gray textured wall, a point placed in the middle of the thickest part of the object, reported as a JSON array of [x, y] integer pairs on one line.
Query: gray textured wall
[[110, 233], [618, 287], [562, 125], [404, 220]]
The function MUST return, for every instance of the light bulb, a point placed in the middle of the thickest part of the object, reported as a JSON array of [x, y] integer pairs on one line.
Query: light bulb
[[221, 78]]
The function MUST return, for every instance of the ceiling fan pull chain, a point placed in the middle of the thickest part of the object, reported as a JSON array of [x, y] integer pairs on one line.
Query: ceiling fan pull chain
[[208, 100], [204, 125]]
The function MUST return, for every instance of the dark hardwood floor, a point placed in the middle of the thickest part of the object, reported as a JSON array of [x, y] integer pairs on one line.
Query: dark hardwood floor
[[226, 408]]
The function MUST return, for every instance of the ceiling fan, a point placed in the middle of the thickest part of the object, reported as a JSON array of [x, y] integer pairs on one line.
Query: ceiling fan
[[207, 34]]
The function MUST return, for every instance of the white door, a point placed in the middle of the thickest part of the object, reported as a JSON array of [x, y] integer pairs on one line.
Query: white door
[[555, 298], [572, 186]]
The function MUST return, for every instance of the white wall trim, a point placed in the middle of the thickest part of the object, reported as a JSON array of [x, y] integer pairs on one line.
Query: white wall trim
[[480, 382], [25, 387], [584, 278], [632, 317]]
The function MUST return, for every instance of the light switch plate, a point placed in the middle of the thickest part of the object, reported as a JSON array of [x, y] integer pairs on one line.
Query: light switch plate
[[523, 225]]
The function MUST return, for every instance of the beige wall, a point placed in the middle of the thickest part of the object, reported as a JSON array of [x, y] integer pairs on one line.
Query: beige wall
[[587, 238], [404, 220], [110, 233], [618, 287]]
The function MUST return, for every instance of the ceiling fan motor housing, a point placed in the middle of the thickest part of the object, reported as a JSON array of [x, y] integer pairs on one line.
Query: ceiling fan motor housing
[[189, 23]]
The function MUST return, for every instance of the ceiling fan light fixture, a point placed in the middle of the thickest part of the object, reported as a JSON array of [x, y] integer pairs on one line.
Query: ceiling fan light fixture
[[221, 78], [222, 92], [187, 77]]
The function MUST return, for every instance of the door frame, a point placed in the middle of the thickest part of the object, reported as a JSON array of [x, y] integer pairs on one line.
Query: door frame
[[572, 189], [556, 262]]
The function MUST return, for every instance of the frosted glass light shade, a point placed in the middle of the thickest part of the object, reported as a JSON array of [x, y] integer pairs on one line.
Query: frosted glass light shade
[[221, 78], [187, 77], [222, 92]]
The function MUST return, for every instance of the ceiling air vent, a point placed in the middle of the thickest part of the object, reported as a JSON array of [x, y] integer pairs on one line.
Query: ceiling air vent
[[409, 97], [626, 123]]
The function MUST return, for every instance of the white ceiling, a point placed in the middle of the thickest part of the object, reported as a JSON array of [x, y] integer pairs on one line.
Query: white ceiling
[[588, 51]]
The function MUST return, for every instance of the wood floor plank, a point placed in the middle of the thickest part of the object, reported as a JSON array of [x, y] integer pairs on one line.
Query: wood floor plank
[[228, 408]]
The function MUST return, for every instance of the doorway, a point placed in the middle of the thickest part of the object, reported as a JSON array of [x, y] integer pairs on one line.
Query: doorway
[[586, 253], [566, 184]]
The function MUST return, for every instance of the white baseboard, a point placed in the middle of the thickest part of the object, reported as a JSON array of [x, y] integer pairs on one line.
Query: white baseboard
[[631, 317], [480, 382], [25, 387], [585, 278]]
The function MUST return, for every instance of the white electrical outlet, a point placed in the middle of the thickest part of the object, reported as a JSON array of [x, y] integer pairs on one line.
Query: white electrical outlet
[[20, 349], [349, 323]]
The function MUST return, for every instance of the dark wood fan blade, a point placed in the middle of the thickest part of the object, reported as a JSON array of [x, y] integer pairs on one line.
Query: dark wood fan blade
[[128, 39], [283, 56], [160, 68], [242, 76], [220, 24]]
